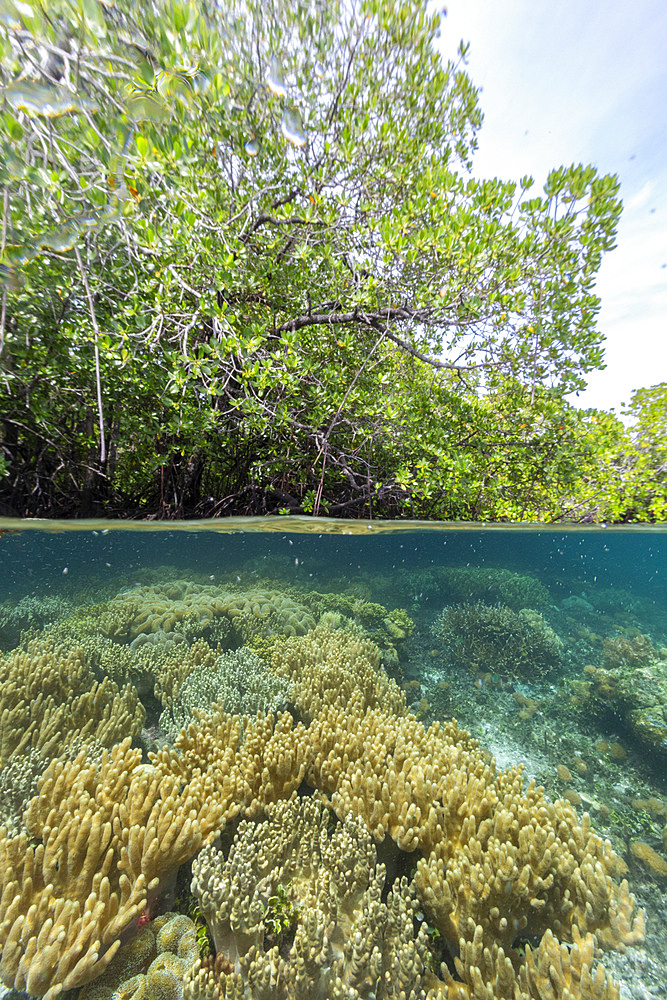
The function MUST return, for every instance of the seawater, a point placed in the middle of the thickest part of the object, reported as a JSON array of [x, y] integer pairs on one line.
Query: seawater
[[548, 644]]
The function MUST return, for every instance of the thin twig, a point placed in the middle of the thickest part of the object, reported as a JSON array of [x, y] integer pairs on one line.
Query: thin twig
[[98, 381], [3, 308]]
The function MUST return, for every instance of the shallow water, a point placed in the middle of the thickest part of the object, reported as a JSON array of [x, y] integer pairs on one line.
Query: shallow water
[[548, 645]]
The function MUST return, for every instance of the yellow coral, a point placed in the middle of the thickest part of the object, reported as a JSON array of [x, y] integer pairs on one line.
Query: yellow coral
[[650, 857], [50, 701], [496, 863], [104, 836], [163, 607], [151, 965], [331, 666]]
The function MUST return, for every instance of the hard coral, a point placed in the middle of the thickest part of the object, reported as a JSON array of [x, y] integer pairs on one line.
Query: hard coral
[[649, 857], [192, 609], [493, 863], [240, 683], [29, 613], [465, 584], [632, 650], [330, 666], [493, 637], [152, 965], [50, 700], [101, 838], [637, 696]]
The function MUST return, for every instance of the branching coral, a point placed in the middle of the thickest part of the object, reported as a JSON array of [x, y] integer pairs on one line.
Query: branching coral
[[155, 663], [237, 765], [492, 864], [496, 864], [335, 667], [494, 637], [466, 584], [240, 683], [632, 650], [18, 784], [30, 612], [385, 627]]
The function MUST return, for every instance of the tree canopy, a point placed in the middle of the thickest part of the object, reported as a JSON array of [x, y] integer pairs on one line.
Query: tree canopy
[[247, 269]]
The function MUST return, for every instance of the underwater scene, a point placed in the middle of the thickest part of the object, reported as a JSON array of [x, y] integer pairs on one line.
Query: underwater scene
[[326, 760]]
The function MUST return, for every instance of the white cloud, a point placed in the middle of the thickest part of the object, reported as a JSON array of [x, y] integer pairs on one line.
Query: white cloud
[[640, 198], [576, 82]]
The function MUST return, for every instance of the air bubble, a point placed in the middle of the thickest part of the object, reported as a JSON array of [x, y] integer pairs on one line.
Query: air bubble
[[292, 126], [49, 102], [274, 80], [60, 239]]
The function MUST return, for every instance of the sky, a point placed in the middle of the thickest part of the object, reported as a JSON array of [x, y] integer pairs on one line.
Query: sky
[[585, 81]]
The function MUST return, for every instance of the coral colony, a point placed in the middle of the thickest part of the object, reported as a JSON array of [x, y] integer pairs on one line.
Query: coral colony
[[222, 792]]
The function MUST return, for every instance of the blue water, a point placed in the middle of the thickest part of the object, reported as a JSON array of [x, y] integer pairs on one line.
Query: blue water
[[548, 645], [566, 560]]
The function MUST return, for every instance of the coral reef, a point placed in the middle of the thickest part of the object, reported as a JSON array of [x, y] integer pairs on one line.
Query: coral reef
[[484, 636], [650, 857], [296, 906], [240, 683], [102, 840], [335, 666], [50, 701], [29, 613], [155, 663], [234, 765], [152, 965], [386, 628], [628, 649], [192, 608], [630, 696], [469, 584], [372, 856], [18, 784]]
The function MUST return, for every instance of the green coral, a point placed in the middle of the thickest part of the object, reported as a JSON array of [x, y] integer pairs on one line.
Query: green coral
[[280, 912], [204, 940], [493, 637]]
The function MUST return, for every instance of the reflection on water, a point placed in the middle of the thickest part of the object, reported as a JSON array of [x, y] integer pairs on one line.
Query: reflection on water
[[257, 686]]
